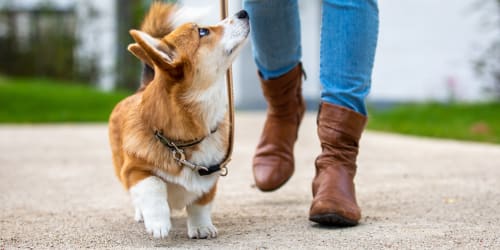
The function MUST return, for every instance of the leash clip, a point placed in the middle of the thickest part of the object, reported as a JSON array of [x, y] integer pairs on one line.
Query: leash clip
[[178, 155], [223, 171], [180, 158], [192, 166]]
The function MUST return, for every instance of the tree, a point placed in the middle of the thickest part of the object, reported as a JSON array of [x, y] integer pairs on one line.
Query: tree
[[128, 67], [488, 64], [129, 14]]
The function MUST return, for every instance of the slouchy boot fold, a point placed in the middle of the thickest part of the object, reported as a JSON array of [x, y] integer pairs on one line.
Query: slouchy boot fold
[[334, 196]]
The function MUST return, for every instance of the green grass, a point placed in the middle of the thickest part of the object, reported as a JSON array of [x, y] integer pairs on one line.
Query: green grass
[[49, 101], [472, 122]]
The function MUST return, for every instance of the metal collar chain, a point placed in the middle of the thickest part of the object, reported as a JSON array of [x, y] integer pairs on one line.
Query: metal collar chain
[[180, 157]]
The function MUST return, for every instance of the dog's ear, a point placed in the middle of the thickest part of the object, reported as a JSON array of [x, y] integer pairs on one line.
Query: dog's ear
[[160, 53], [139, 52]]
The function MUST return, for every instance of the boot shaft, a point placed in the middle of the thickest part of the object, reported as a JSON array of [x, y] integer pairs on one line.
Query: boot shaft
[[339, 131], [284, 94]]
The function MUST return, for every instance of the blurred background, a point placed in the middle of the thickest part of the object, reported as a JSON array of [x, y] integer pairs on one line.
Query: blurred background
[[437, 68]]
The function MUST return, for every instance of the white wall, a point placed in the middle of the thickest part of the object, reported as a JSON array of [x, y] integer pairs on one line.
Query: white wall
[[97, 34], [426, 44]]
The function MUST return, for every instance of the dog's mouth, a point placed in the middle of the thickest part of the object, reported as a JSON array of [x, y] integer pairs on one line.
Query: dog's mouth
[[237, 46], [237, 28]]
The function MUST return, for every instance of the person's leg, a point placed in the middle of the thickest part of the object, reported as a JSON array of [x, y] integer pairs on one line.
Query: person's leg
[[349, 33], [348, 40], [275, 35]]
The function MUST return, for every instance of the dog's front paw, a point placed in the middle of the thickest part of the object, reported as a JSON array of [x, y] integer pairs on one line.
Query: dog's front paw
[[157, 224], [199, 223], [150, 200], [202, 231]]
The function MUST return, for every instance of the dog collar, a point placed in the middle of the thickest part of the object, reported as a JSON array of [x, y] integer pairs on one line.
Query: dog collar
[[172, 145], [177, 150]]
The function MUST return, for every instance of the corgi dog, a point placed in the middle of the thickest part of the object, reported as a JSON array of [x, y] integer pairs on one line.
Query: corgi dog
[[169, 139]]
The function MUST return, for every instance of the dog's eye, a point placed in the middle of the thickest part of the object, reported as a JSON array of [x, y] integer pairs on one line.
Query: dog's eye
[[203, 32]]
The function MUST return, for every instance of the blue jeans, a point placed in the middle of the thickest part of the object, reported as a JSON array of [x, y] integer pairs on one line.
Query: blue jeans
[[349, 34]]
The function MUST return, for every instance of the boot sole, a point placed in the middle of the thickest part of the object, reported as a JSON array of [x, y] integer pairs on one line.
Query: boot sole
[[332, 220]]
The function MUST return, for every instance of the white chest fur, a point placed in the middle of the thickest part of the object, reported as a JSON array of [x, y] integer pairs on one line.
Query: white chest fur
[[187, 187]]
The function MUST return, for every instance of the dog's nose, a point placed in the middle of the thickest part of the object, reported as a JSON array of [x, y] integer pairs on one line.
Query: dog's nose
[[242, 14]]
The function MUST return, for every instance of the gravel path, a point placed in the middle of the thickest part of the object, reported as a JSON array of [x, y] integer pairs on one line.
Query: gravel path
[[58, 190]]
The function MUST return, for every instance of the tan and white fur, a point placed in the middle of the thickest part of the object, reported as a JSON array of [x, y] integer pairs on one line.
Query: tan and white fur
[[185, 99]]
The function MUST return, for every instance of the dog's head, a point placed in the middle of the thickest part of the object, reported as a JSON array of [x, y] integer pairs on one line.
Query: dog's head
[[193, 54]]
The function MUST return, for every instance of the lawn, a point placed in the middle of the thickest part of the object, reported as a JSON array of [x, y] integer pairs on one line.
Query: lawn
[[462, 121], [49, 101]]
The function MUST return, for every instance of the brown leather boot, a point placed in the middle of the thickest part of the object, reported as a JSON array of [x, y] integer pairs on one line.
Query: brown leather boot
[[273, 163], [334, 202]]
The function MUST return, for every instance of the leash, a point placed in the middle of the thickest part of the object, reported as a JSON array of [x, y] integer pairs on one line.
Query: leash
[[230, 97]]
